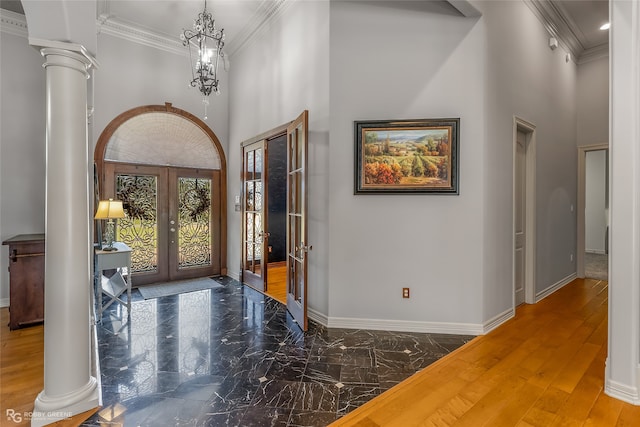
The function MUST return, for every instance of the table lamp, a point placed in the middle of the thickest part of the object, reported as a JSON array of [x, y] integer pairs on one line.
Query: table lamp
[[109, 210]]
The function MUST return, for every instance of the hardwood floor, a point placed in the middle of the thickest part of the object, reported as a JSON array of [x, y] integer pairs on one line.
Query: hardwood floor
[[543, 368], [277, 282], [22, 373]]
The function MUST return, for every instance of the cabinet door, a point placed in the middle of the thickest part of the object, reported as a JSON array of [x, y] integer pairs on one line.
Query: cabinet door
[[26, 269]]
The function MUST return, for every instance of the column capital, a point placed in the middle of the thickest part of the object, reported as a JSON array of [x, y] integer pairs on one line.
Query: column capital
[[53, 47]]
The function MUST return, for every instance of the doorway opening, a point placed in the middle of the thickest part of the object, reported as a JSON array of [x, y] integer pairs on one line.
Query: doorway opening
[[274, 211], [524, 237], [169, 170], [593, 212]]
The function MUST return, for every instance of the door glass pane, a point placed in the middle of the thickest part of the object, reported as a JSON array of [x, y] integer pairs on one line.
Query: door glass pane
[[194, 219], [292, 193], [249, 256], [292, 152], [299, 282], [291, 277], [139, 228], [250, 232], [258, 166], [250, 196], [299, 148], [249, 165], [258, 195]]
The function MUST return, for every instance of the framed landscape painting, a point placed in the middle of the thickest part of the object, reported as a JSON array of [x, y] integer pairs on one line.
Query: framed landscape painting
[[406, 156]]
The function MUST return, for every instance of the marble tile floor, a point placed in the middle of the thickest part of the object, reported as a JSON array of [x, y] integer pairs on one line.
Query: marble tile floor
[[232, 356]]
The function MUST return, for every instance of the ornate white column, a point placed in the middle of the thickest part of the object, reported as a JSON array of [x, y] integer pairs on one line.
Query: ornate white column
[[69, 387]]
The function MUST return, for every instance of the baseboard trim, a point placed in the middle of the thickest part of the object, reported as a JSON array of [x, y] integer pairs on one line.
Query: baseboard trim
[[622, 392], [595, 251], [498, 320], [234, 276], [317, 317], [558, 285], [4, 302], [406, 326]]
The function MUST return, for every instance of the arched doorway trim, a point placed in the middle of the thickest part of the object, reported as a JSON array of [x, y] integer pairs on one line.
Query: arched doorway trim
[[220, 162]]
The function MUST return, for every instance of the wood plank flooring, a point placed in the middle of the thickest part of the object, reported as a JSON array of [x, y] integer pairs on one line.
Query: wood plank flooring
[[277, 282], [22, 373], [543, 368]]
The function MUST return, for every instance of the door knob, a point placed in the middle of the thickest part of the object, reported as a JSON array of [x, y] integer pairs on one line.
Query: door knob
[[173, 230]]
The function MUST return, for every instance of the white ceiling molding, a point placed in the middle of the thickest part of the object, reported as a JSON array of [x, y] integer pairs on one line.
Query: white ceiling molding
[[558, 25], [13, 23], [114, 27], [594, 53], [267, 12]]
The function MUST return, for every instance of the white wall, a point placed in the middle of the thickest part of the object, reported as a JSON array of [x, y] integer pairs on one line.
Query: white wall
[[528, 80], [283, 71], [595, 201], [131, 75], [411, 60], [22, 145], [593, 102]]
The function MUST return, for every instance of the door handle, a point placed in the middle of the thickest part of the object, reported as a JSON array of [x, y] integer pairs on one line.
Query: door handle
[[173, 230]]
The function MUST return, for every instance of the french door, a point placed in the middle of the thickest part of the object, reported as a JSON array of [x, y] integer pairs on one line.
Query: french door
[[255, 191], [172, 221], [254, 237], [297, 242]]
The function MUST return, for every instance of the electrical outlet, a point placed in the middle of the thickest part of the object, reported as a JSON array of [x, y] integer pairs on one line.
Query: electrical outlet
[[405, 292]]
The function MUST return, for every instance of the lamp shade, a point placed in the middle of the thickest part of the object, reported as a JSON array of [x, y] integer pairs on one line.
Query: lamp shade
[[109, 209]]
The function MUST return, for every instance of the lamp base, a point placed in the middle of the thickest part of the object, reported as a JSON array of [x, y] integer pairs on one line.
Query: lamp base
[[109, 248]]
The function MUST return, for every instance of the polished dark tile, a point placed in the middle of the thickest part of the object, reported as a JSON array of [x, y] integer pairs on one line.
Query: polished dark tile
[[231, 356]]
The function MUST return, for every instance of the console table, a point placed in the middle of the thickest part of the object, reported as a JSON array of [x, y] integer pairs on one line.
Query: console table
[[115, 288], [26, 280]]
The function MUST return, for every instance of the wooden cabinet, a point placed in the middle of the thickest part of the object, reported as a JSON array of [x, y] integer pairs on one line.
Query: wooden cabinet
[[26, 280]]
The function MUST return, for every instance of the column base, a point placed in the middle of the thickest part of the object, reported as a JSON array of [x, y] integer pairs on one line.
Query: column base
[[48, 410]]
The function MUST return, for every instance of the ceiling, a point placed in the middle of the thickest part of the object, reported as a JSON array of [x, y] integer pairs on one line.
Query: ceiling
[[584, 19], [576, 22]]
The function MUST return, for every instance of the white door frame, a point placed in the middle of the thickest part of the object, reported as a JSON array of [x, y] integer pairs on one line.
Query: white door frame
[[582, 196], [529, 130]]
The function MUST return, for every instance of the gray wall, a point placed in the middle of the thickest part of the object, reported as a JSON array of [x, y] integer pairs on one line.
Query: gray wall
[[283, 71], [528, 80], [22, 145], [334, 59], [130, 75], [410, 60], [593, 102]]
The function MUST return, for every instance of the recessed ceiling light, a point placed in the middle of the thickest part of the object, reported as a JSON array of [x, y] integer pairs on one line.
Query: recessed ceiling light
[[605, 26]]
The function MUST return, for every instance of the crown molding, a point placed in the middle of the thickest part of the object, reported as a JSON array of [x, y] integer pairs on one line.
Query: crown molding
[[557, 24], [597, 52], [13, 23], [114, 27], [268, 12]]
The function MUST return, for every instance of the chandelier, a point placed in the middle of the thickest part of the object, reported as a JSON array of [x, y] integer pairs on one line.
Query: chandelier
[[205, 44]]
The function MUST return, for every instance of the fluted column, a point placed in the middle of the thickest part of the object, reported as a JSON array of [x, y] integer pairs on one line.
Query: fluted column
[[69, 387]]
